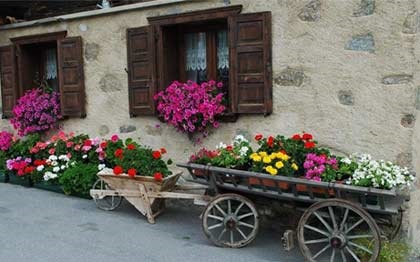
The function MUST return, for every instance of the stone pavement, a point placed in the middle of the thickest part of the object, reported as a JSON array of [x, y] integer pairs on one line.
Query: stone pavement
[[41, 226]]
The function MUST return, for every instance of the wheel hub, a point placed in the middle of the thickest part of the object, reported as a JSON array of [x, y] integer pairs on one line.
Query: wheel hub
[[338, 240], [230, 222]]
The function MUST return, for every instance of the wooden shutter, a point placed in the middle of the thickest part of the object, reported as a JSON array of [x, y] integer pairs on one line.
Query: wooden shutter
[[140, 62], [250, 63], [8, 79], [71, 77]]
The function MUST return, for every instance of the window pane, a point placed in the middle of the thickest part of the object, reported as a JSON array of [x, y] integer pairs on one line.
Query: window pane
[[50, 66], [196, 57], [223, 62]]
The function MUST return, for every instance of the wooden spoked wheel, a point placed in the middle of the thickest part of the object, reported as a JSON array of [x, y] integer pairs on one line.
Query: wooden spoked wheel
[[230, 220], [338, 230], [107, 203]]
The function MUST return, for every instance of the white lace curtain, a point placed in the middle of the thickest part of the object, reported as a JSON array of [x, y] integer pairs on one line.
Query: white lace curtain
[[222, 50], [51, 64], [196, 54]]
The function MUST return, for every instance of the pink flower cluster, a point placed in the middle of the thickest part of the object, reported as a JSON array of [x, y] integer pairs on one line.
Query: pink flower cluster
[[191, 107], [6, 139], [315, 165], [21, 165], [36, 111]]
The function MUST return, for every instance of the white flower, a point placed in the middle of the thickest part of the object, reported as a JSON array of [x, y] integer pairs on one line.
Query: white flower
[[346, 160], [73, 163], [64, 158], [54, 163], [239, 139], [49, 175], [62, 167], [53, 158], [243, 151], [56, 169], [101, 166], [40, 168], [84, 156], [221, 145]]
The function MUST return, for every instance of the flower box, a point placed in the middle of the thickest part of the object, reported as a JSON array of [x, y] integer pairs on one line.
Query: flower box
[[268, 183], [49, 187], [4, 178], [21, 181]]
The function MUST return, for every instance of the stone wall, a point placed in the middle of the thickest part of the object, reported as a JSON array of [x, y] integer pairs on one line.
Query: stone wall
[[345, 70]]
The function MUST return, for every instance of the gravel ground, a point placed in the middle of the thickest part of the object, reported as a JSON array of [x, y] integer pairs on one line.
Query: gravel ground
[[42, 226]]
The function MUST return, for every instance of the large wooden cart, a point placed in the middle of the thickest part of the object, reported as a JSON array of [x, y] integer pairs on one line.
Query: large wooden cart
[[339, 222]]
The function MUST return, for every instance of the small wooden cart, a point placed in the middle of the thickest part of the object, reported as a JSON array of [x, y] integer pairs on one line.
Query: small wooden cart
[[145, 193]]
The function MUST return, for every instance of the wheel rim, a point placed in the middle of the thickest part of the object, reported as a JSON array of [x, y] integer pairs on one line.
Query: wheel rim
[[107, 203], [230, 220], [338, 230]]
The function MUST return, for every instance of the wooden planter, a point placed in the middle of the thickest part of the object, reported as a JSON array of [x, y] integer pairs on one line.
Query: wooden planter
[[21, 181], [4, 178], [268, 183], [44, 185]]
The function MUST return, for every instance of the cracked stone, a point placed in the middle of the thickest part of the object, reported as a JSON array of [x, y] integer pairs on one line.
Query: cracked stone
[[127, 128], [367, 7], [362, 43], [311, 12], [397, 79], [290, 77], [346, 97], [408, 120]]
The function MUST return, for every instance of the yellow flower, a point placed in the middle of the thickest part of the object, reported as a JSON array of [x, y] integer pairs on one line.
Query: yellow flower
[[256, 158], [294, 166], [271, 170], [282, 156], [266, 159], [263, 154], [273, 156], [279, 164]]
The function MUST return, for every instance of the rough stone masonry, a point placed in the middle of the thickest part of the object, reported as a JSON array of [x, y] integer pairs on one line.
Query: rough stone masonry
[[347, 71]]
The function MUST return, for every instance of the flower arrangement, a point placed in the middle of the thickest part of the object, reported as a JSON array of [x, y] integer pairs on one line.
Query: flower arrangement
[[320, 167], [191, 107], [20, 165], [274, 163], [378, 174], [36, 111]]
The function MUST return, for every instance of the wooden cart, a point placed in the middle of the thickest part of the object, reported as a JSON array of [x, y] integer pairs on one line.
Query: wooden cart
[[339, 222], [145, 193]]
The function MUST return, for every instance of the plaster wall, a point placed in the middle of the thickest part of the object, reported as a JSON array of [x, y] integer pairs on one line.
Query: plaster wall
[[344, 70]]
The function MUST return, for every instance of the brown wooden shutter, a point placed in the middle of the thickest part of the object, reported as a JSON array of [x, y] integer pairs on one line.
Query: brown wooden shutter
[[140, 62], [250, 63], [8, 79], [71, 76]]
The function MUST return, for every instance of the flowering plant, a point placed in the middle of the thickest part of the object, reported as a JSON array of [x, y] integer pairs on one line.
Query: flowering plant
[[378, 174], [274, 163], [321, 167], [21, 166], [36, 111], [6, 139], [191, 107], [235, 155], [204, 156]]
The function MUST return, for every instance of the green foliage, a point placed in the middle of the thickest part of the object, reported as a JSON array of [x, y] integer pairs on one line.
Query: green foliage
[[390, 251], [22, 146], [79, 178]]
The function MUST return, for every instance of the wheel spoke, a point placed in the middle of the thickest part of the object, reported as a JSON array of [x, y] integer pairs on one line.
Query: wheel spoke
[[221, 234], [355, 225], [332, 215], [231, 236], [343, 256], [360, 247], [323, 222], [240, 232], [353, 254], [317, 230], [316, 241], [245, 224], [220, 209], [346, 213], [332, 255], [215, 217], [215, 226], [238, 208], [245, 215], [322, 251], [359, 236], [229, 207]]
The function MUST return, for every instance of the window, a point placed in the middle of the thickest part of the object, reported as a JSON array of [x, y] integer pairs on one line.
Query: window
[[51, 60], [219, 44]]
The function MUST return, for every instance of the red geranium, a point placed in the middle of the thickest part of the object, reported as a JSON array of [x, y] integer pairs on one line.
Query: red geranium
[[258, 137], [87, 142], [104, 144], [29, 169], [307, 136], [39, 162], [163, 151], [131, 147], [118, 170], [118, 153], [309, 145], [229, 148], [158, 176], [156, 154], [132, 172], [270, 141], [296, 137]]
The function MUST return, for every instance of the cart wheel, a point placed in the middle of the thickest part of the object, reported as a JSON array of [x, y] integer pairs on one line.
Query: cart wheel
[[390, 227], [230, 220], [107, 203], [338, 230]]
